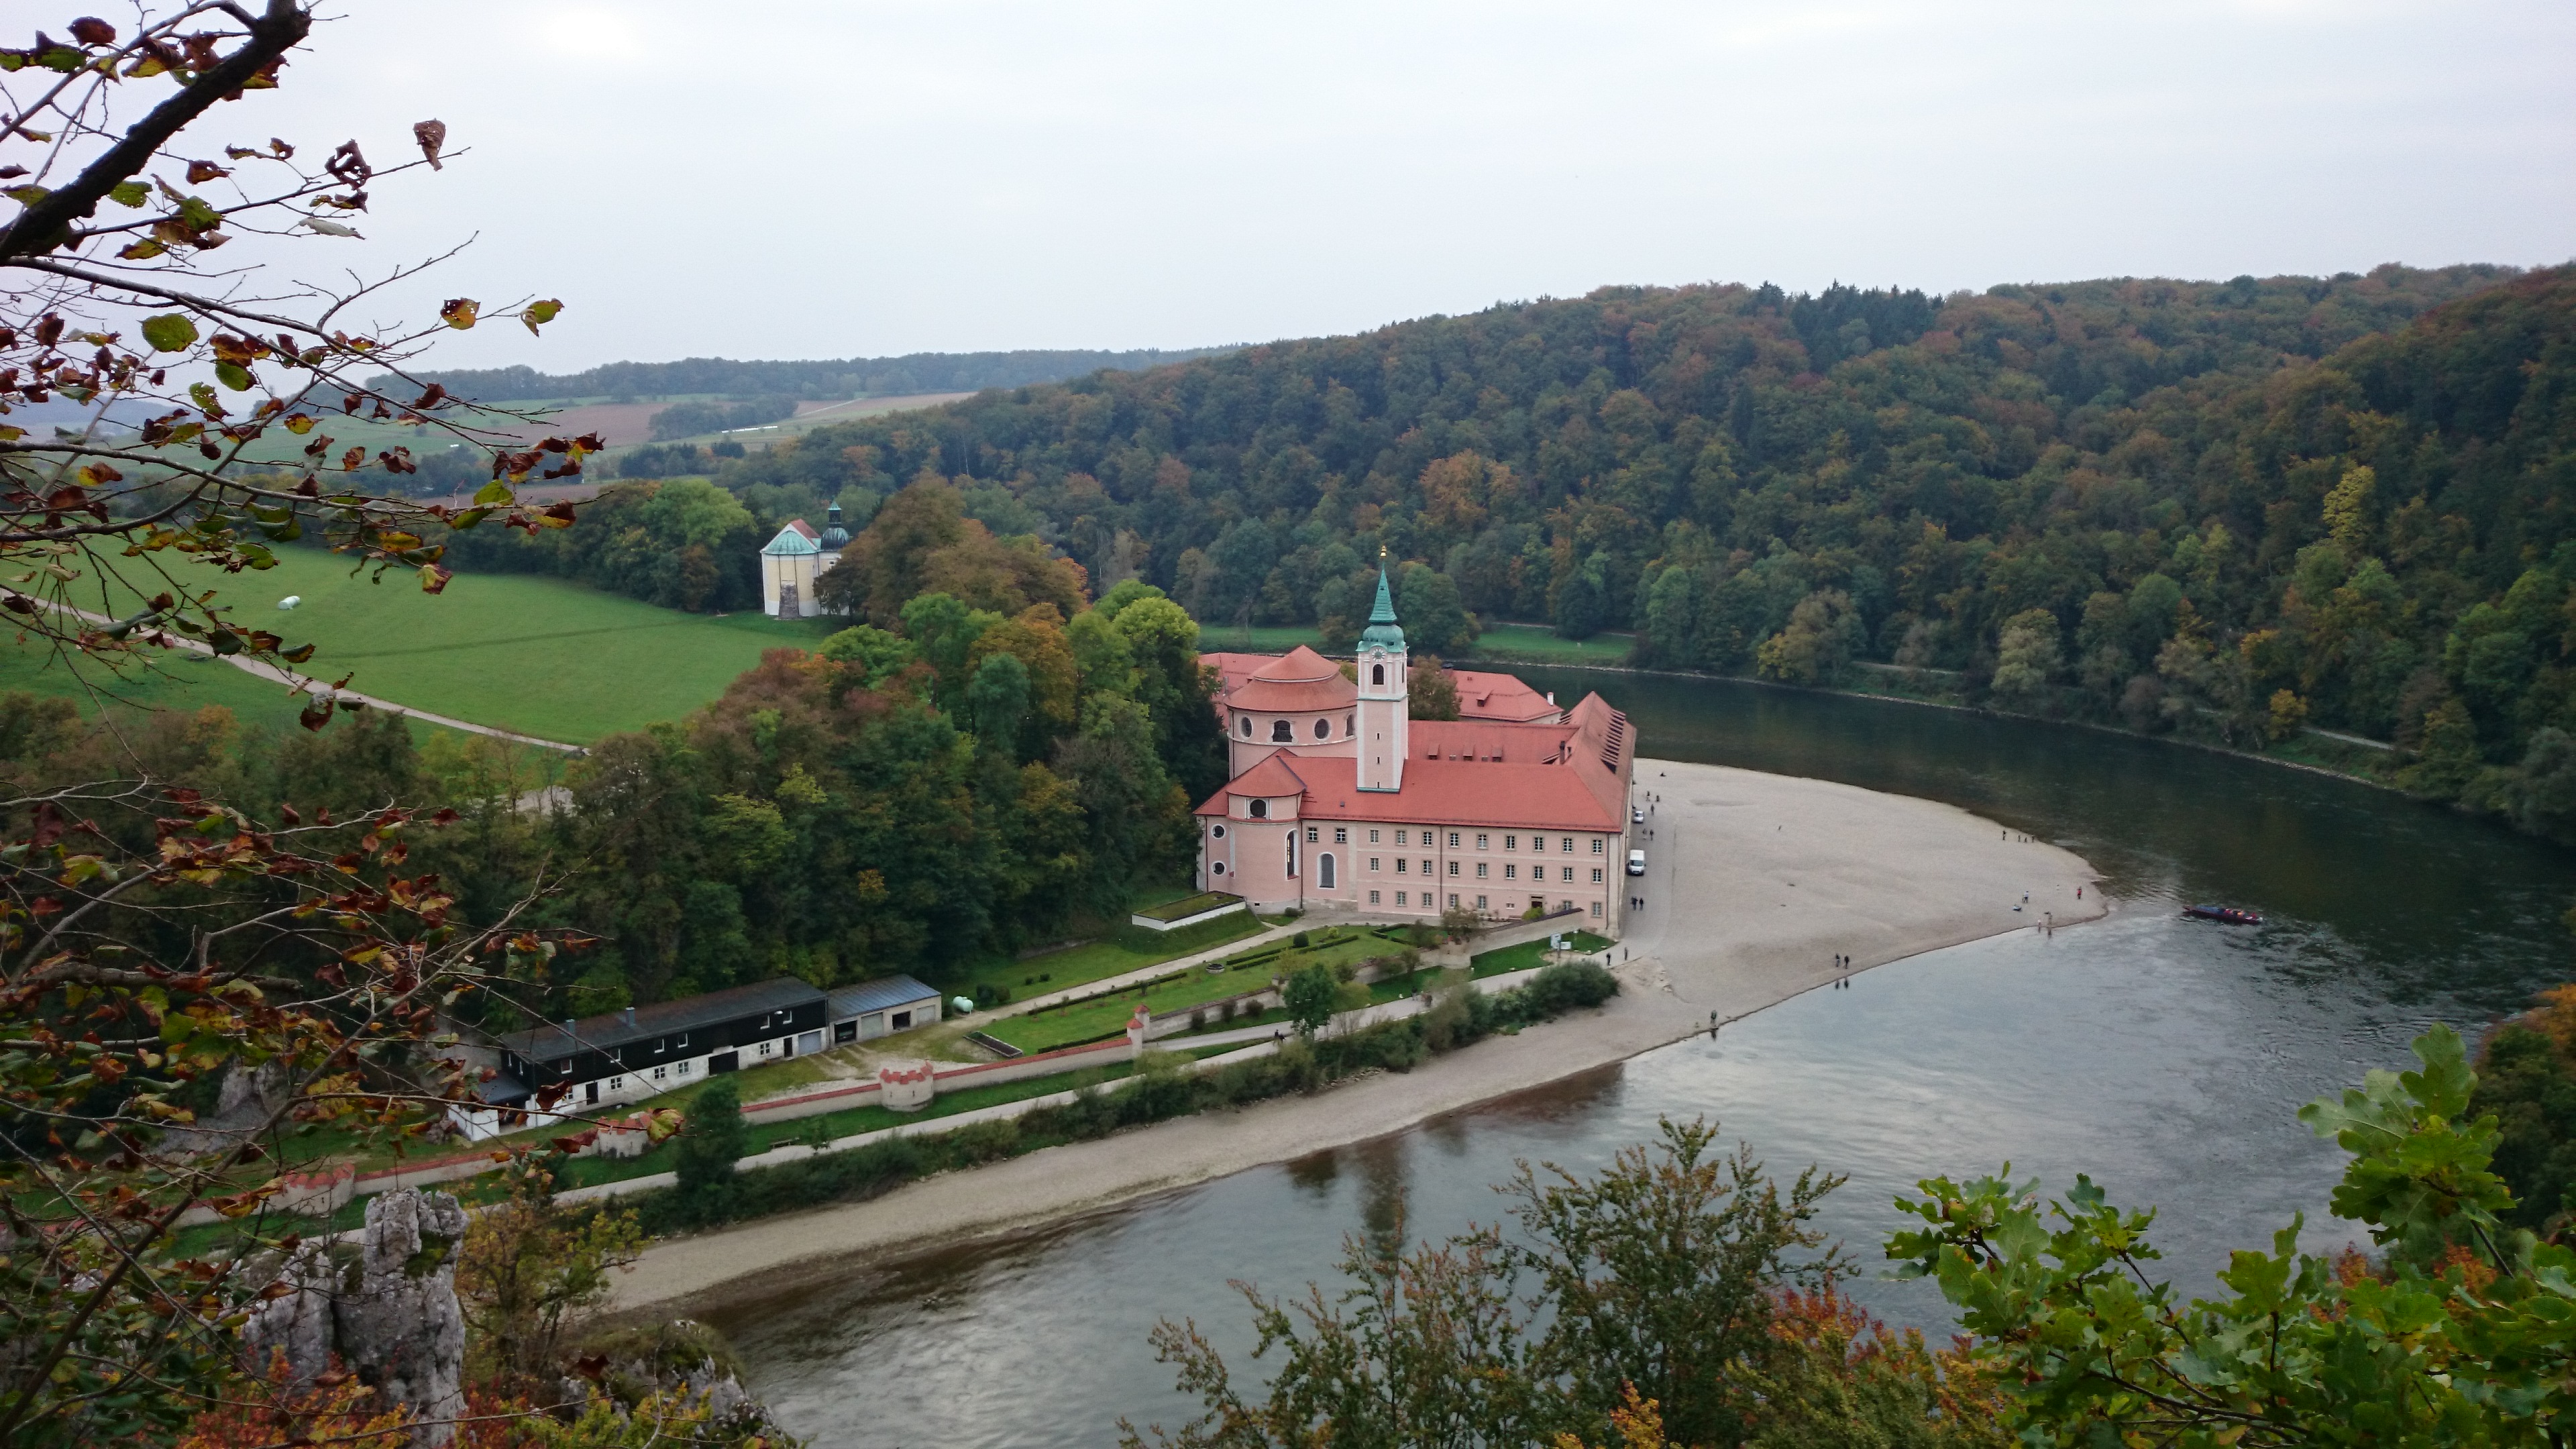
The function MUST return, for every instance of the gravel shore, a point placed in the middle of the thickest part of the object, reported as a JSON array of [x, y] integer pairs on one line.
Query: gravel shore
[[1755, 883]]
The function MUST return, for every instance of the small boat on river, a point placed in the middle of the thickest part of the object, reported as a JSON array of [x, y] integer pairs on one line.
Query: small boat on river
[[2225, 915]]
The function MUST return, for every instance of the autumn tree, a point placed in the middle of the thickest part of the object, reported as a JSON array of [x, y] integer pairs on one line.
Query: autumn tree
[[160, 948]]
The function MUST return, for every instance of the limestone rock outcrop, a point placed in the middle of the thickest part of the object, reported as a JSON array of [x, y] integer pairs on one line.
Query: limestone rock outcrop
[[389, 1311]]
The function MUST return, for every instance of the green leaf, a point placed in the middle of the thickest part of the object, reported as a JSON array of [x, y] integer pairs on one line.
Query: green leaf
[[129, 193], [493, 494], [233, 375], [170, 332]]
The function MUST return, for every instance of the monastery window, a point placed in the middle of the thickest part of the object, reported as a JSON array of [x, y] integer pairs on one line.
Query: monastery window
[[1399, 898], [1426, 867], [1511, 872], [1453, 867], [1260, 809], [1373, 868], [1569, 875], [1453, 903], [1453, 840], [1511, 842], [1596, 845], [1596, 908], [1310, 835], [1372, 837], [1216, 867], [1480, 903], [1323, 729], [1481, 868], [1377, 674], [1350, 725], [1372, 898], [1216, 832], [1399, 865], [1341, 835], [1399, 837], [1480, 841], [1247, 726], [1566, 845], [1325, 867], [1596, 875], [1281, 732]]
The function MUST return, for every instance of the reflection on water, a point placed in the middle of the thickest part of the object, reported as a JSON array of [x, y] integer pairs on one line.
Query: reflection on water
[[2162, 1056]]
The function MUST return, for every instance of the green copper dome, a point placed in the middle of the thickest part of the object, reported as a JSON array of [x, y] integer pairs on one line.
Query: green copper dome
[[1381, 627]]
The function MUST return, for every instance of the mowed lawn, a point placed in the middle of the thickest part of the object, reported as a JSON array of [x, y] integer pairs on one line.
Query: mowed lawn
[[181, 681], [538, 656]]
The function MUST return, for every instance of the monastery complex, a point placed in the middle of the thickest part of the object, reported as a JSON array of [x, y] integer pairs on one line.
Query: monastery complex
[[1341, 799]]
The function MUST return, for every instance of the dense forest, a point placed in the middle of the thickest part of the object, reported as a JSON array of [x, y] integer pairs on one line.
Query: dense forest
[[2226, 509], [914, 372]]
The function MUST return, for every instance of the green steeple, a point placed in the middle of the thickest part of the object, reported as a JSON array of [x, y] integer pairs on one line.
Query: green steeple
[[1381, 627]]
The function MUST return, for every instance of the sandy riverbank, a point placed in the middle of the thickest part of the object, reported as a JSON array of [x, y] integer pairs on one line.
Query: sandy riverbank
[[1755, 882]]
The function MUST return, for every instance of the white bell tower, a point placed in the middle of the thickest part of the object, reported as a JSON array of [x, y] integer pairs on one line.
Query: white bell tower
[[1384, 703]]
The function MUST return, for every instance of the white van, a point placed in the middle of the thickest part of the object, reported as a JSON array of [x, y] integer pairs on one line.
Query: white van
[[1636, 862]]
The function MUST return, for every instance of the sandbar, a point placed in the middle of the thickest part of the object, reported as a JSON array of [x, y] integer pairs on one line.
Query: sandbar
[[1755, 883]]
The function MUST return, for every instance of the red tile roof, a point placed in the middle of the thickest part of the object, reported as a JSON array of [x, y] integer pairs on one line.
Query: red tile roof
[[1511, 744], [1558, 777], [1272, 777], [801, 526], [1298, 666], [1500, 697]]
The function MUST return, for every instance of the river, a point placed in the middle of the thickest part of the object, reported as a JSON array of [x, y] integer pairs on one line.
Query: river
[[2164, 1057]]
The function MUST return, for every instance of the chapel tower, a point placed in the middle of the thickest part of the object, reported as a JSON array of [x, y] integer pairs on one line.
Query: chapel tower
[[1384, 702]]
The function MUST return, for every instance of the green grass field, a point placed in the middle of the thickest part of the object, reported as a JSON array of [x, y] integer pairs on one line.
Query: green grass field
[[1532, 953], [180, 681], [1131, 949], [1082, 1021], [539, 656], [1539, 643]]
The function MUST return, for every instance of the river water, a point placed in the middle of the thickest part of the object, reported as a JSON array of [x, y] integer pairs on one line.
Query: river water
[[2162, 1056]]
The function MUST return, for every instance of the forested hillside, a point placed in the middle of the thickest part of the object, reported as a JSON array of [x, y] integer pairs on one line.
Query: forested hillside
[[2222, 508], [914, 372]]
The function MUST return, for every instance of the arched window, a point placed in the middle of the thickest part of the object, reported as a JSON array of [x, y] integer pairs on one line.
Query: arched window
[[1323, 729], [1260, 809], [1247, 726], [1324, 871], [1377, 674], [1350, 724], [1281, 732]]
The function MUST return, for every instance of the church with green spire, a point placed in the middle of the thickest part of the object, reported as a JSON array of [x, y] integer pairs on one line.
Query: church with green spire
[[1341, 800]]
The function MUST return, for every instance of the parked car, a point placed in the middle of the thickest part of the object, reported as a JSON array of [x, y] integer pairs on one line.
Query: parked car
[[1636, 862], [1636, 814]]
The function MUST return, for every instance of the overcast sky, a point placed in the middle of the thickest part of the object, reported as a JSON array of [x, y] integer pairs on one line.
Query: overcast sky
[[844, 179]]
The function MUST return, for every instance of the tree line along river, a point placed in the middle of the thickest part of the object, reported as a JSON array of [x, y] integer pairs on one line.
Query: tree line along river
[[2163, 1056]]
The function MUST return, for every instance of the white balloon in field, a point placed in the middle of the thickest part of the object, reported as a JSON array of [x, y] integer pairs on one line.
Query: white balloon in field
[[290, 601]]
